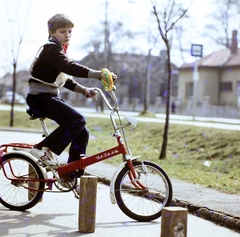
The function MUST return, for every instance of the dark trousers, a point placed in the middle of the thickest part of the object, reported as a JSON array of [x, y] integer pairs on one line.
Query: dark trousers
[[71, 123]]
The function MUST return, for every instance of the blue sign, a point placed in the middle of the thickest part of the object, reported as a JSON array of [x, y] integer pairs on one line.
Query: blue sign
[[197, 50]]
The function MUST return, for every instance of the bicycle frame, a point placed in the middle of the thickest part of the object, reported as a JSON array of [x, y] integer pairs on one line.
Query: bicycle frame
[[140, 188], [86, 161], [83, 162], [119, 149]]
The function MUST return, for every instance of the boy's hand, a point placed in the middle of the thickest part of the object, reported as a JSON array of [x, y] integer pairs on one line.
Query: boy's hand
[[90, 93], [114, 76]]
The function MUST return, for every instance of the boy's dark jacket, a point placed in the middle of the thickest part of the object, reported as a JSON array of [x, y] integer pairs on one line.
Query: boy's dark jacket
[[51, 61]]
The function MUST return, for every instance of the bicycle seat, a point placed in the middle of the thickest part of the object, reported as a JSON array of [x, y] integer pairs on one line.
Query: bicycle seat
[[33, 115]]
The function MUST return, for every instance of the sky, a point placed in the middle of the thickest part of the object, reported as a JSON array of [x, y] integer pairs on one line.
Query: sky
[[88, 17]]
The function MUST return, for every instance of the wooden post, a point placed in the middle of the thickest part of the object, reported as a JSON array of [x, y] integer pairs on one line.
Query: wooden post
[[87, 204], [174, 222]]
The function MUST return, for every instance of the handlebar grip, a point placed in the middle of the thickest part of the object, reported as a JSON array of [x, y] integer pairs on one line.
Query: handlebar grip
[[91, 92], [94, 93]]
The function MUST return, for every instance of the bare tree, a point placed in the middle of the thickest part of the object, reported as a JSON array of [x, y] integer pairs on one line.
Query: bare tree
[[106, 38], [170, 13], [14, 31], [224, 19]]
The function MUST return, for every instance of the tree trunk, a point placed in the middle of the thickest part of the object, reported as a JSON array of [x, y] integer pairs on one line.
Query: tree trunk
[[146, 86], [13, 95], [163, 153]]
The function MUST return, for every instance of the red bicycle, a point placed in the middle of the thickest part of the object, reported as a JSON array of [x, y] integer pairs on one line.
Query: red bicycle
[[140, 188]]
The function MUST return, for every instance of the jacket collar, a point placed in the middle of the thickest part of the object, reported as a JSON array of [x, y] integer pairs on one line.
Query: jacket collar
[[54, 40]]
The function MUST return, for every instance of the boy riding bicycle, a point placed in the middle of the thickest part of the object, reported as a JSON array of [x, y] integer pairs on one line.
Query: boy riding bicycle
[[48, 74]]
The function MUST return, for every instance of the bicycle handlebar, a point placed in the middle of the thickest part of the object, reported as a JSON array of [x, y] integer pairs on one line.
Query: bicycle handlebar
[[98, 91]]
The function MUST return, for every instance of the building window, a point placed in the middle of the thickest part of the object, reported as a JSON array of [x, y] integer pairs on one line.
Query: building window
[[189, 89], [238, 88], [226, 86]]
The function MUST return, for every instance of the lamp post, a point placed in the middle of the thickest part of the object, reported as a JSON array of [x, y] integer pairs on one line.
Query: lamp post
[[196, 51]]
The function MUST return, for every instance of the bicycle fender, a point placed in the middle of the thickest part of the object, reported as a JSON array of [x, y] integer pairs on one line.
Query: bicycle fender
[[29, 156], [112, 193]]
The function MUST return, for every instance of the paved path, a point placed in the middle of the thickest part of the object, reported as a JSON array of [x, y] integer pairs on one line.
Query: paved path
[[220, 123], [56, 217]]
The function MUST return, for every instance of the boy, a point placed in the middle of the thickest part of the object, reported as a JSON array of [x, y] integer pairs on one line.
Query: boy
[[47, 76]]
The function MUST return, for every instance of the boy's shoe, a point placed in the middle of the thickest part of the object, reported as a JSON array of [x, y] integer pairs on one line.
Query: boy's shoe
[[44, 155]]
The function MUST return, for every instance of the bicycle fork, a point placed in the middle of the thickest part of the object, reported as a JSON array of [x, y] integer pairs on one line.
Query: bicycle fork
[[133, 176]]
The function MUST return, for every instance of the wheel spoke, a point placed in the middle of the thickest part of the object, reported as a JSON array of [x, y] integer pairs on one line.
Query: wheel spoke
[[143, 204], [15, 189]]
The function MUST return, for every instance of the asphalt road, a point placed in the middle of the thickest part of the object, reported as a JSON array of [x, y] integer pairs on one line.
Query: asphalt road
[[106, 224], [220, 123], [57, 214]]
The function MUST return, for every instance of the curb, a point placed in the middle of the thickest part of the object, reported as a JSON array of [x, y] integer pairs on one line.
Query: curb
[[14, 129], [219, 218]]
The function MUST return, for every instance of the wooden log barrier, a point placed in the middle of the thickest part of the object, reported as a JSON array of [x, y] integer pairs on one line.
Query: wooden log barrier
[[87, 204], [174, 222]]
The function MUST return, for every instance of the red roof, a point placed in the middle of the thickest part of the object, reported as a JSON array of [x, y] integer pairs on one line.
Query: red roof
[[221, 58]]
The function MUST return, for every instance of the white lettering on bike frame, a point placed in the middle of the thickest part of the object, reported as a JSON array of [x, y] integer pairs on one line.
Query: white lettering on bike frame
[[106, 154]]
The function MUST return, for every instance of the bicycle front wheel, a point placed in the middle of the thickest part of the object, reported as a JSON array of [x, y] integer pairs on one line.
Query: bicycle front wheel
[[17, 192], [143, 202]]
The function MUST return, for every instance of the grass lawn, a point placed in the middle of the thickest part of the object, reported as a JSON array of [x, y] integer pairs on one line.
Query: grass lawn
[[206, 156]]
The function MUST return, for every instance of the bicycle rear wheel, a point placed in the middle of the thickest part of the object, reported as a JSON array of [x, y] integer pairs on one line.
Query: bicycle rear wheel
[[143, 204], [15, 192]]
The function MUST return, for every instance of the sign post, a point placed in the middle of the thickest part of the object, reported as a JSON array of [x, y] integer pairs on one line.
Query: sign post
[[196, 51]]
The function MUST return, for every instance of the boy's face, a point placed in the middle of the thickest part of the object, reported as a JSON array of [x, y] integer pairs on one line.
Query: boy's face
[[63, 35]]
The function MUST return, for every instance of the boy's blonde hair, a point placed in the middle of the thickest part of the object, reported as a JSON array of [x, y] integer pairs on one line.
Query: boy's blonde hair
[[59, 21]]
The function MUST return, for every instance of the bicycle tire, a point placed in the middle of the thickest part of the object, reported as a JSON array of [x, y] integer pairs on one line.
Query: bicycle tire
[[14, 194], [143, 205]]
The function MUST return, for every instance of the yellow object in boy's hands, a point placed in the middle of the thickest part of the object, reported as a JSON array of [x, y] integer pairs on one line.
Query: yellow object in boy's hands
[[107, 81]]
